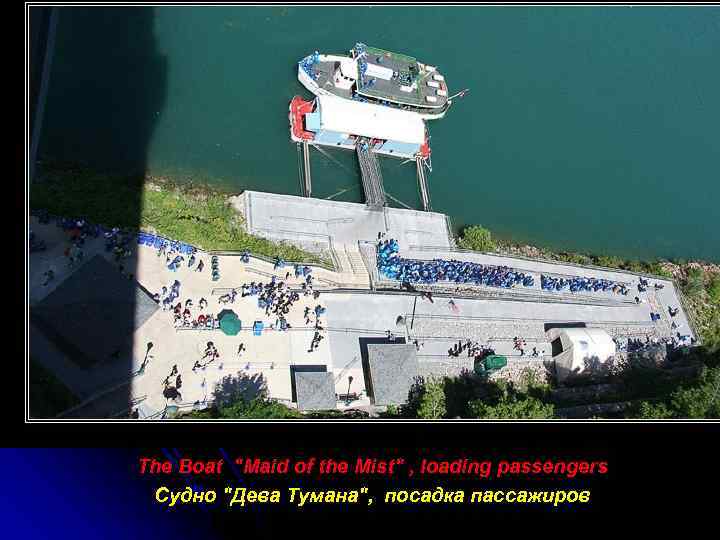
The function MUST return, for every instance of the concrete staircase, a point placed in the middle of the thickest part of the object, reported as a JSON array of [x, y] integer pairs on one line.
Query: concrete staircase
[[352, 269], [356, 260]]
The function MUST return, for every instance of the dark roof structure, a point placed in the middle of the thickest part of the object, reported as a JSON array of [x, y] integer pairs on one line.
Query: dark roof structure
[[315, 390], [391, 371], [93, 313]]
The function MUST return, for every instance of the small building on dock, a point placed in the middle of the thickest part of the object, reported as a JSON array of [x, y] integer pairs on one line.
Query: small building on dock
[[390, 370], [580, 351], [333, 121]]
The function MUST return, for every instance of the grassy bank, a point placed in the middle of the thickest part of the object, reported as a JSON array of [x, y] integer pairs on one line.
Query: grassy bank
[[48, 396], [698, 280], [193, 213]]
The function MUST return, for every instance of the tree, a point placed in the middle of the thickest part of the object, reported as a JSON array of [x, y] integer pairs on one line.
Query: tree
[[512, 407], [511, 403], [695, 282], [466, 387], [610, 261], [477, 238], [232, 389], [714, 289], [258, 408], [426, 399], [432, 401], [653, 411], [698, 399], [244, 396]]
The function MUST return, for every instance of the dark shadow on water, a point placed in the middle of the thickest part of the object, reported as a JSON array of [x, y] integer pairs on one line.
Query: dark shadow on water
[[107, 90]]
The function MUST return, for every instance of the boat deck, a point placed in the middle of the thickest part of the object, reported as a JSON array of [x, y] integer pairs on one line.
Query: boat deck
[[408, 69], [326, 71], [381, 90]]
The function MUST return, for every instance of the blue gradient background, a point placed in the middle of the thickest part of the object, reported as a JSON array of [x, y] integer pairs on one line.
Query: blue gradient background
[[83, 493]]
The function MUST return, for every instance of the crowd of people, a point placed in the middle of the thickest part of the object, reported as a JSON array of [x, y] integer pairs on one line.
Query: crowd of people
[[474, 349], [391, 265], [635, 345], [643, 285], [182, 314], [581, 284], [166, 296], [165, 246]]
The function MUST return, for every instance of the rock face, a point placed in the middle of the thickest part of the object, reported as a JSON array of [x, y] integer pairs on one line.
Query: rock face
[[593, 410], [650, 356], [518, 371], [583, 394]]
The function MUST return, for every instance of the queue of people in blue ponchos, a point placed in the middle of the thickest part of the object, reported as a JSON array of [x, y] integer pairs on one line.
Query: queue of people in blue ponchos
[[391, 265], [580, 284]]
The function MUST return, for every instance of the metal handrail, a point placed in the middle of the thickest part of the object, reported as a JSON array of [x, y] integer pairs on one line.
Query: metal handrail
[[228, 253], [684, 304]]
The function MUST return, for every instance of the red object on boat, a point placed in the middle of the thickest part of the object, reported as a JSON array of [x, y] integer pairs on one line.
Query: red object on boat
[[425, 148], [299, 108]]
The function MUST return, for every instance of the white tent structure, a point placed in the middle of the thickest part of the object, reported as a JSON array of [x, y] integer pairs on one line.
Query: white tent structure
[[581, 351], [370, 120]]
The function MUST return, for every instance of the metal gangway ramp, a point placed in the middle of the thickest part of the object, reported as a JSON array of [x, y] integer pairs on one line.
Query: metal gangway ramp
[[371, 175]]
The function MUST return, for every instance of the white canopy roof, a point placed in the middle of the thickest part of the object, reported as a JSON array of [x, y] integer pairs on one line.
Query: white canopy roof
[[584, 349], [348, 67], [369, 120], [381, 72]]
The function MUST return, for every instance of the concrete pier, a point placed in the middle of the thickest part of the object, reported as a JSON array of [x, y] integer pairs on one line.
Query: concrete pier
[[318, 224]]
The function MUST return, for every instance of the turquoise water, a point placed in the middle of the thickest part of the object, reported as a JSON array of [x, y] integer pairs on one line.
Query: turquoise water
[[594, 129]]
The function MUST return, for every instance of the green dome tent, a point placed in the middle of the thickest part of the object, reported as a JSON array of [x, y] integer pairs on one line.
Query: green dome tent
[[229, 322]]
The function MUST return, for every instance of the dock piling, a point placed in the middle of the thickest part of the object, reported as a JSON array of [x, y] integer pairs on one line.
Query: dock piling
[[422, 182], [307, 175]]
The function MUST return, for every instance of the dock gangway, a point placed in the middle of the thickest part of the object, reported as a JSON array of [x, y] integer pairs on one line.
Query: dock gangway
[[371, 175]]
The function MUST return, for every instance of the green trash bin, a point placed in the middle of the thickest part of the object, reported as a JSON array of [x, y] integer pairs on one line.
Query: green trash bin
[[494, 362], [489, 364]]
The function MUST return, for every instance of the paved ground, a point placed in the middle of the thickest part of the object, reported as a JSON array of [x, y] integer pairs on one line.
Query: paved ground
[[493, 323], [350, 316]]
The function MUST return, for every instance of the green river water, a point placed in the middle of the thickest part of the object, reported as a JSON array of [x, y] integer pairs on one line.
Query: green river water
[[595, 129]]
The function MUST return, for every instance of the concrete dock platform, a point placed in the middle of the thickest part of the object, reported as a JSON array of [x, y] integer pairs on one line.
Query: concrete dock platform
[[319, 223]]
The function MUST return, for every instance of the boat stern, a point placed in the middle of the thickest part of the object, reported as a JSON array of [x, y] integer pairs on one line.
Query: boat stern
[[298, 109]]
